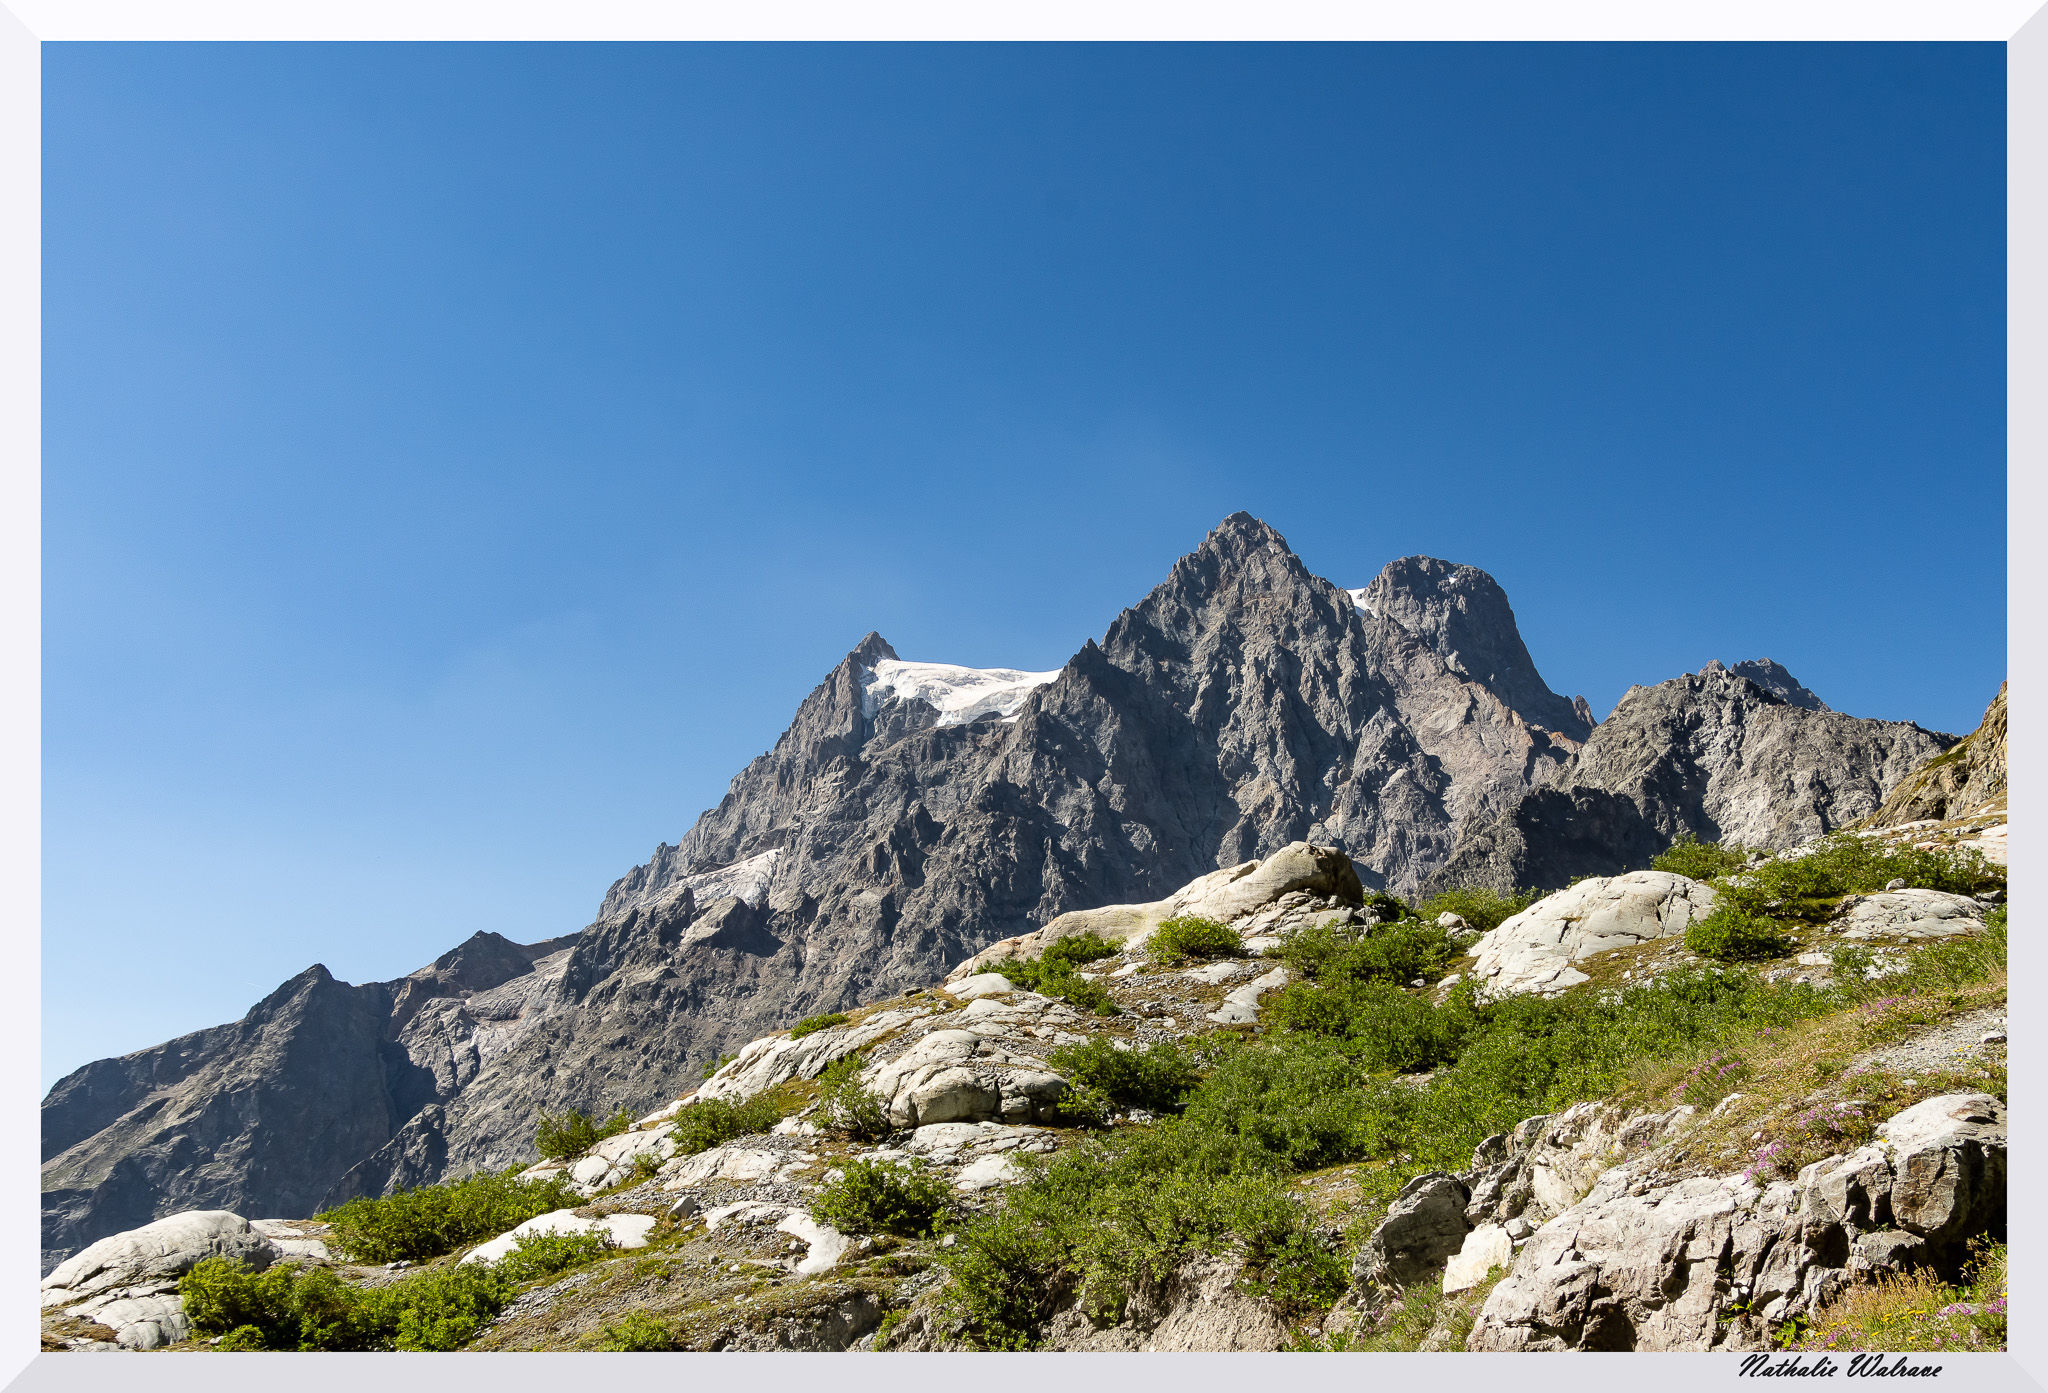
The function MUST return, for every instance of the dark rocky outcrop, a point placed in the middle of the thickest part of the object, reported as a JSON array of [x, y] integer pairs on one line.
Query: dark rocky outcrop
[[1710, 754]]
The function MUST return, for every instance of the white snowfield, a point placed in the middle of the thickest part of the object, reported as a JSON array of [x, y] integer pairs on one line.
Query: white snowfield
[[1358, 599], [746, 879], [958, 694]]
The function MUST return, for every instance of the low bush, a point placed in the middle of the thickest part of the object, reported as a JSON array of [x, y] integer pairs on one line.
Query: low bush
[[878, 1197], [1179, 940], [1386, 908], [1732, 934], [1154, 1077], [636, 1332], [1689, 856], [845, 1106], [1844, 863], [537, 1255], [714, 1065], [1055, 972], [291, 1308], [1482, 908], [710, 1122], [811, 1025], [1399, 952], [562, 1135], [430, 1220]]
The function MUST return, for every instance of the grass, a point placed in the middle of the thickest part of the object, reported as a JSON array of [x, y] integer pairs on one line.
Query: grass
[[811, 1025], [1187, 938], [425, 1222], [562, 1135], [878, 1197], [1915, 1313], [636, 1332]]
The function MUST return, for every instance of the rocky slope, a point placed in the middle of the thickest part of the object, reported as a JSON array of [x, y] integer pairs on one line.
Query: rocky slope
[[1712, 755]]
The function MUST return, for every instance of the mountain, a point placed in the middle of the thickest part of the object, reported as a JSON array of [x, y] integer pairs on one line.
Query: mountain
[[269, 1113], [911, 815], [1712, 754]]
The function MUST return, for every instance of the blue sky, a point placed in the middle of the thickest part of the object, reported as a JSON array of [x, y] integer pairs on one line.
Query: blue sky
[[460, 460]]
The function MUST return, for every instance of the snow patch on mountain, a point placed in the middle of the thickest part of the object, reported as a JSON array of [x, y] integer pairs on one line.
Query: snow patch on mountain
[[747, 879], [1358, 598], [958, 694]]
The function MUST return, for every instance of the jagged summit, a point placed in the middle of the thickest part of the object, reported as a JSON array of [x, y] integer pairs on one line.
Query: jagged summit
[[1463, 616], [1773, 678]]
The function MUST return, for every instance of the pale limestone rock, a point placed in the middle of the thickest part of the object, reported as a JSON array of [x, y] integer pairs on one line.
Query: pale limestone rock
[[730, 1162], [164, 1249], [1534, 951], [981, 984], [1907, 914], [1486, 1247], [826, 1244], [1241, 1007]]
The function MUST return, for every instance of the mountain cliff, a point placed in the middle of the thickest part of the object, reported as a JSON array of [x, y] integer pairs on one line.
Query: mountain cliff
[[1713, 755]]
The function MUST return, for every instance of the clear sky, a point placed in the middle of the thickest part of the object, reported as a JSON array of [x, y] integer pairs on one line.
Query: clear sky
[[460, 460]]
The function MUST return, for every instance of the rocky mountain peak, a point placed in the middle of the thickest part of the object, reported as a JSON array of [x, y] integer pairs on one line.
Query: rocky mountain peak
[[1773, 678], [1462, 615]]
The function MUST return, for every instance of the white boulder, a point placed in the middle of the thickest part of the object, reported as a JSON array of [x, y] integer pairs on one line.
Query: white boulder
[[156, 1252], [959, 1076], [1907, 914], [1534, 951]]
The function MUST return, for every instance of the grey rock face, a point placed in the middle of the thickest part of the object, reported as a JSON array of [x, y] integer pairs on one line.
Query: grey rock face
[[1711, 754], [1425, 1226]]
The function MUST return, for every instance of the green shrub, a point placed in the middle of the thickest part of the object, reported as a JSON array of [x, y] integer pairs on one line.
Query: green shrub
[[1733, 934], [637, 1331], [1689, 856], [710, 1122], [845, 1106], [1844, 863], [562, 1135], [430, 1220], [1180, 939], [1055, 972], [811, 1025], [1482, 908], [715, 1065], [290, 1308], [537, 1255], [877, 1197], [1387, 908], [1153, 1077], [1398, 952]]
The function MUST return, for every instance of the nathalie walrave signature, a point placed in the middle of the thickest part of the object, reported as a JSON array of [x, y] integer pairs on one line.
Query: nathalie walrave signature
[[1859, 1366]]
